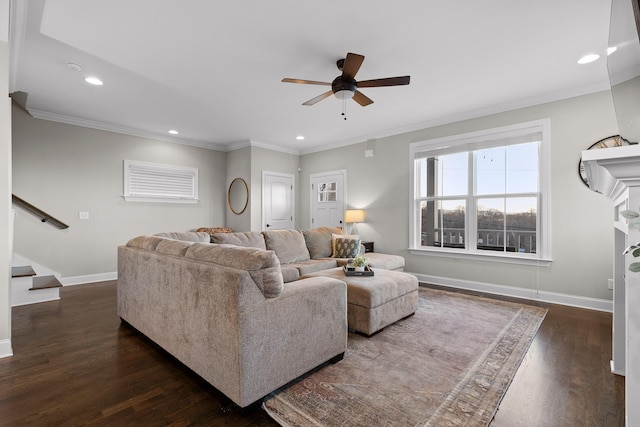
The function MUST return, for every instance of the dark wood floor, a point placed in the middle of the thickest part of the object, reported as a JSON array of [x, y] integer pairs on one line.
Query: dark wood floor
[[75, 364]]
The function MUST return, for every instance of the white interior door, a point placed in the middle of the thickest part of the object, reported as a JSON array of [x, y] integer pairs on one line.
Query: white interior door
[[277, 201], [328, 198]]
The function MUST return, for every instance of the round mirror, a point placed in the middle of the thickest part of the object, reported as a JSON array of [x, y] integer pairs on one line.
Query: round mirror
[[238, 196]]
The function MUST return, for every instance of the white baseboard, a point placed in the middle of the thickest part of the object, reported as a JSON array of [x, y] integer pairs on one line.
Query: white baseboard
[[529, 294], [89, 278], [5, 348]]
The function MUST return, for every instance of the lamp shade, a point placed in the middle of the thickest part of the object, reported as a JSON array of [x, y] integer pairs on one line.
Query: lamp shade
[[354, 215]]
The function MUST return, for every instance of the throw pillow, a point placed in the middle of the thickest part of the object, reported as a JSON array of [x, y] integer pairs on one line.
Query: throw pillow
[[347, 248], [335, 237]]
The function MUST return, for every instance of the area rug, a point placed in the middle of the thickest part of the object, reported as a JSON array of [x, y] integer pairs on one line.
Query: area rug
[[448, 365]]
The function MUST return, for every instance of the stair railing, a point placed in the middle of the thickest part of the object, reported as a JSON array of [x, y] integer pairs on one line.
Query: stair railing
[[44, 217]]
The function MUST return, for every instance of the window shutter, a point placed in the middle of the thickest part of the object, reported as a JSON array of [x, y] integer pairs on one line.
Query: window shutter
[[153, 182]]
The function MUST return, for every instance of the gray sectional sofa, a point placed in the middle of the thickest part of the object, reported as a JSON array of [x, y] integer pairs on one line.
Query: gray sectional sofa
[[303, 252], [225, 312], [250, 312]]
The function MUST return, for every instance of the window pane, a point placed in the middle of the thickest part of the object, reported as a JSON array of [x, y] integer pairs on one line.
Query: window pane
[[522, 168], [421, 170], [453, 174], [327, 192], [521, 224], [442, 223], [491, 224], [445, 175], [490, 170]]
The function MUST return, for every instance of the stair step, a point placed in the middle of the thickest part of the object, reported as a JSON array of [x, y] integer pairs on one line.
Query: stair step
[[45, 282], [22, 271]]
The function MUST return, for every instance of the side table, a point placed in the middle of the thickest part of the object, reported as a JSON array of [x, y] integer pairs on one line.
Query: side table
[[368, 246]]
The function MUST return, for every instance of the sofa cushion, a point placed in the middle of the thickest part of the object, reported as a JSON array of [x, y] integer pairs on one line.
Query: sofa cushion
[[313, 265], [319, 241], [347, 248], [289, 273], [263, 266], [210, 230], [289, 245], [186, 236], [174, 247], [249, 239], [385, 261], [145, 242]]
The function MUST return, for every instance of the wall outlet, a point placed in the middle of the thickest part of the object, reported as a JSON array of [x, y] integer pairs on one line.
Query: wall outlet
[[610, 284], [83, 215]]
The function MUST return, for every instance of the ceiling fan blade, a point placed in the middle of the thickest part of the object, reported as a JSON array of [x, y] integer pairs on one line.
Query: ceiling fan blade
[[351, 65], [305, 82], [361, 98], [389, 81], [318, 98]]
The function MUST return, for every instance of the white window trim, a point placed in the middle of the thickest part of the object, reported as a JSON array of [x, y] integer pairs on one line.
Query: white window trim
[[172, 195], [473, 140]]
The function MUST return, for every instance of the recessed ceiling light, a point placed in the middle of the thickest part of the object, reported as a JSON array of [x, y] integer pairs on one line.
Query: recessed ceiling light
[[299, 137], [73, 66], [173, 132], [611, 49], [94, 81], [588, 58]]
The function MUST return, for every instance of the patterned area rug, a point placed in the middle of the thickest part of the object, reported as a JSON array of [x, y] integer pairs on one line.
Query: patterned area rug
[[449, 365]]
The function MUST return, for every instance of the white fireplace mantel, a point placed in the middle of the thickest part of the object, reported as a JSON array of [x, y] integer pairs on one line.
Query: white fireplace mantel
[[611, 170], [615, 173]]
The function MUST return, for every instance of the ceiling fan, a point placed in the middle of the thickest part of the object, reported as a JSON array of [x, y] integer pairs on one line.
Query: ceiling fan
[[345, 85]]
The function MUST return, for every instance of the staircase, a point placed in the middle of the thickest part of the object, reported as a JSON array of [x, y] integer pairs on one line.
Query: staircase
[[32, 283]]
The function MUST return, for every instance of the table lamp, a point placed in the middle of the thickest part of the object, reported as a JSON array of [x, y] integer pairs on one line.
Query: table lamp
[[354, 216]]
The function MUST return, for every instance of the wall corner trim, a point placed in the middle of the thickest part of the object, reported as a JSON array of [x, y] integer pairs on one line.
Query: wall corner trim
[[5, 348]]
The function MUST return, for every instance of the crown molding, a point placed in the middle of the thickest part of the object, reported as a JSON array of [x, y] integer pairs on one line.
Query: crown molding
[[251, 143], [530, 102], [469, 115], [45, 115]]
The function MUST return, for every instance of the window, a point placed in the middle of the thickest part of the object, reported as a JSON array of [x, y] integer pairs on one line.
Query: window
[[153, 182], [483, 194], [327, 192]]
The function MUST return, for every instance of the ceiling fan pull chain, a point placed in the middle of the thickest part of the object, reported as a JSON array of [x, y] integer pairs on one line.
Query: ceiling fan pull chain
[[344, 109]]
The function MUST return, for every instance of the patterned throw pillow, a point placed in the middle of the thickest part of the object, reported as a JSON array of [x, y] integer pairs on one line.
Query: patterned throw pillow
[[347, 248], [335, 237]]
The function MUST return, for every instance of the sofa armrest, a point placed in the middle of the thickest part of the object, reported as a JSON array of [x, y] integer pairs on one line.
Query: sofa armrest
[[285, 337]]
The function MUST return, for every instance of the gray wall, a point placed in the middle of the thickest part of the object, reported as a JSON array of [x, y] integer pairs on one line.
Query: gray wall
[[249, 163], [239, 166], [64, 169], [271, 161], [581, 220]]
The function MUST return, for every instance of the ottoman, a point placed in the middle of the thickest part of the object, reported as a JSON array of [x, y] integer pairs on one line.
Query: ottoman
[[374, 302]]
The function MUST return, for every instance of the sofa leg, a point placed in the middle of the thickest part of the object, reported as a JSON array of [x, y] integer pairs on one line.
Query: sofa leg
[[337, 358]]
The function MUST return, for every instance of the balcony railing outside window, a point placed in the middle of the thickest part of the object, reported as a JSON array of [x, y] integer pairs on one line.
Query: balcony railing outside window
[[491, 240]]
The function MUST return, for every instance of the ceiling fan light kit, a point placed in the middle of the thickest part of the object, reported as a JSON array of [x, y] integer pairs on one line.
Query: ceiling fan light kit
[[345, 85]]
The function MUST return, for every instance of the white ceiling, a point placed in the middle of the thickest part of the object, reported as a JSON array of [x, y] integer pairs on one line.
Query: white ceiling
[[213, 70]]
